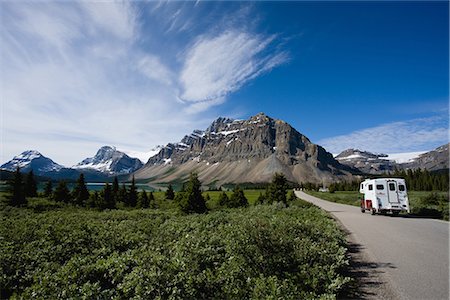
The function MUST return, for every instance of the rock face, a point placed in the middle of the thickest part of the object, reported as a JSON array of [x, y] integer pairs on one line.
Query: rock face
[[233, 151], [366, 162], [110, 161], [437, 159]]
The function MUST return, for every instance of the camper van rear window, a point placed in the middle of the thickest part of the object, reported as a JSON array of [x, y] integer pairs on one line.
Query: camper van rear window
[[370, 187], [401, 188], [392, 186], [380, 187]]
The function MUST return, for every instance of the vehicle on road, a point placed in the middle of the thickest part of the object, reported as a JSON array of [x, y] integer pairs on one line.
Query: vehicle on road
[[383, 195]]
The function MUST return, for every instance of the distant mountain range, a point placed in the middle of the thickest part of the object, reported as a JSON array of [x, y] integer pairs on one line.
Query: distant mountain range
[[233, 151], [371, 163], [106, 163]]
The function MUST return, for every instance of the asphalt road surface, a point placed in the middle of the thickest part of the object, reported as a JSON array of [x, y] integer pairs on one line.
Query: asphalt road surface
[[411, 254]]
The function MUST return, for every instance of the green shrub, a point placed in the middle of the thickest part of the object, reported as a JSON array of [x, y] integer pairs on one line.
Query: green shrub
[[432, 205], [257, 252]]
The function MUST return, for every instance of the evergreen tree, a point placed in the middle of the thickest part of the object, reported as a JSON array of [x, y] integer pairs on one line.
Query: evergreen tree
[[191, 200], [80, 193], [115, 189], [132, 194], [261, 199], [17, 197], [93, 200], [61, 193], [223, 199], [107, 198], [30, 185], [238, 198], [170, 193], [48, 190], [122, 195], [151, 200], [277, 189], [143, 201]]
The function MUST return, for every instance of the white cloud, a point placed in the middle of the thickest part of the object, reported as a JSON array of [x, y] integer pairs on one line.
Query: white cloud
[[219, 65], [152, 67], [406, 136], [115, 17], [79, 75]]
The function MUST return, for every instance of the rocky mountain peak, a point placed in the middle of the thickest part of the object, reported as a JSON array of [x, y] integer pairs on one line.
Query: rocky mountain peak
[[110, 161], [273, 145], [31, 160], [218, 124]]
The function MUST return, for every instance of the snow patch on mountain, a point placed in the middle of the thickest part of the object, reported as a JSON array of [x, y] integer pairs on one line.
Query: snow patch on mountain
[[143, 156], [406, 157]]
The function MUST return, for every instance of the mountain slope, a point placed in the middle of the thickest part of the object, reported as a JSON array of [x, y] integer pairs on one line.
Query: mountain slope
[[434, 160], [244, 151], [110, 161]]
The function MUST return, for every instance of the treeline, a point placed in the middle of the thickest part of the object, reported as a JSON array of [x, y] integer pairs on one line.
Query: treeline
[[189, 200], [424, 180], [416, 180], [20, 189]]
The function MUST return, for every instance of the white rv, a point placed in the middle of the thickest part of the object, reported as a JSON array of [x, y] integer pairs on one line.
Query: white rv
[[383, 195]]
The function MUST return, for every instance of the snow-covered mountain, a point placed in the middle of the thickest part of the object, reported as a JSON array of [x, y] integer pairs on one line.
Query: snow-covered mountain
[[32, 160], [372, 163], [109, 160]]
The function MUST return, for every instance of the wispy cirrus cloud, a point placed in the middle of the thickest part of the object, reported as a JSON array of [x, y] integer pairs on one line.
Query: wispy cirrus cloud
[[78, 75], [219, 65], [406, 136]]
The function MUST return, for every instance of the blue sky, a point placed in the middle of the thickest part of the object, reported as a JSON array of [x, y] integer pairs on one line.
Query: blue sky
[[79, 75]]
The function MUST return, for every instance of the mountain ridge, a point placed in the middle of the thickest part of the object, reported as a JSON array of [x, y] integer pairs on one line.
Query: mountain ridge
[[245, 151]]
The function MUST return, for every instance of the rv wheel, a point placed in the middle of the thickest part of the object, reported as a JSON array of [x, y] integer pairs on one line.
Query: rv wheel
[[374, 211]]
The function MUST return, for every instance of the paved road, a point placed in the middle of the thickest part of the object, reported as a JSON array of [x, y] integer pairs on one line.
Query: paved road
[[412, 253]]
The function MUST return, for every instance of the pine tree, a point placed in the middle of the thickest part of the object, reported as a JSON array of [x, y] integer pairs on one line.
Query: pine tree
[[223, 199], [48, 190], [151, 200], [277, 189], [122, 195], [107, 197], [80, 193], [93, 200], [132, 194], [261, 199], [192, 201], [238, 198], [143, 201], [30, 185], [17, 197], [115, 189], [170, 193], [61, 193]]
